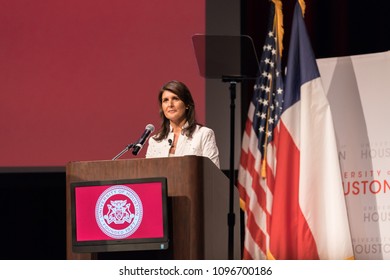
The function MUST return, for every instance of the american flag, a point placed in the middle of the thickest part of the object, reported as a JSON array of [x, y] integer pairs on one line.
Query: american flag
[[257, 161]]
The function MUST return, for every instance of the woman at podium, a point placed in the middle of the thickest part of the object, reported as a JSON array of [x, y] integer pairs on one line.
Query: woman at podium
[[180, 134]]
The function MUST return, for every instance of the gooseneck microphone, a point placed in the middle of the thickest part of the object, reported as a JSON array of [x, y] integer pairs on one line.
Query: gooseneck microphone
[[141, 142]]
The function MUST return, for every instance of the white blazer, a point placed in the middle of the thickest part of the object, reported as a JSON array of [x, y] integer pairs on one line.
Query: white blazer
[[202, 143]]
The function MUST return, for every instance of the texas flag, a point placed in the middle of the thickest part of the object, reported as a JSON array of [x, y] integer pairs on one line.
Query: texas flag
[[309, 217]]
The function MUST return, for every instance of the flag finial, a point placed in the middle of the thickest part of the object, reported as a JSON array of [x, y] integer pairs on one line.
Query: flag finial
[[278, 24], [303, 6]]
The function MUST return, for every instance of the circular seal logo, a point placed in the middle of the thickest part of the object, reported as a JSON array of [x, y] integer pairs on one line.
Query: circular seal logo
[[118, 211]]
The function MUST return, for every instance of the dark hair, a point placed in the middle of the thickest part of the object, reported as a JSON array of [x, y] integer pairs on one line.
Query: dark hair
[[184, 94]]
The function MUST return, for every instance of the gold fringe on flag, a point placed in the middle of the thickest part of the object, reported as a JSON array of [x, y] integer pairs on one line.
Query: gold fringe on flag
[[278, 24], [303, 6]]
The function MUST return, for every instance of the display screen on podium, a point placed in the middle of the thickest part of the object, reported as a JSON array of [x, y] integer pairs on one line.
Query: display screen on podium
[[120, 215]]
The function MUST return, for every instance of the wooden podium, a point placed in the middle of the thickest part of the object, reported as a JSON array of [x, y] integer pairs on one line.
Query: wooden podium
[[199, 196]]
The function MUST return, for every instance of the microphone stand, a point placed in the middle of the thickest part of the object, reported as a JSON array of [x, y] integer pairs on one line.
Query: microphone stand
[[128, 147]]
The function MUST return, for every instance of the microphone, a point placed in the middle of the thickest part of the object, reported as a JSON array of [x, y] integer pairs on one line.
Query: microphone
[[170, 142], [140, 143]]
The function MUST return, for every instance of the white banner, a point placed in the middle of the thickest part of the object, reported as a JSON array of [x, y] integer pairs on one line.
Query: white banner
[[358, 89]]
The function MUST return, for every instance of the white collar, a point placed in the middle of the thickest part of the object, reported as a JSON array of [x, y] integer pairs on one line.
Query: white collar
[[183, 127]]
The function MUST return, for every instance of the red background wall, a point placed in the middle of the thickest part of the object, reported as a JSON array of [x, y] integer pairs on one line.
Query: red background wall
[[79, 79]]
